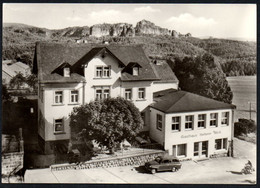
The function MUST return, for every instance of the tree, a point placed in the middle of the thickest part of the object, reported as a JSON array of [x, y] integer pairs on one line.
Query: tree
[[19, 80], [108, 121], [203, 76]]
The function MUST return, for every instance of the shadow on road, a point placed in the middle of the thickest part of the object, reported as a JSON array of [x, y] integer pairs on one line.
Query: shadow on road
[[249, 181], [140, 169], [235, 172]]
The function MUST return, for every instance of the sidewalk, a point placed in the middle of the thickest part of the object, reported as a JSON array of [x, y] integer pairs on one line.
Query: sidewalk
[[224, 170]]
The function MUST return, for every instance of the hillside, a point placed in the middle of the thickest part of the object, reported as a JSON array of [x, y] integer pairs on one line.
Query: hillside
[[19, 41]]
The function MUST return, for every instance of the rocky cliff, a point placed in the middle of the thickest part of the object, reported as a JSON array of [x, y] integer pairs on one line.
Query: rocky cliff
[[143, 27], [119, 29], [147, 27]]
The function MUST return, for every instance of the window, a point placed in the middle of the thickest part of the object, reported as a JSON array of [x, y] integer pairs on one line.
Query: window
[[221, 144], [106, 72], [98, 94], [159, 122], [66, 72], [99, 71], [176, 123], [58, 97], [58, 126], [74, 96], [224, 118], [103, 71], [201, 120], [106, 93], [141, 93], [135, 71], [179, 150], [213, 119], [128, 94], [196, 149], [188, 122], [102, 92]]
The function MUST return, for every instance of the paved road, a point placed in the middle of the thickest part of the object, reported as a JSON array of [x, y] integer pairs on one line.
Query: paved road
[[220, 170]]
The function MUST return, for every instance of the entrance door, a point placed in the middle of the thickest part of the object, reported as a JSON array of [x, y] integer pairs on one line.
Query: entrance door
[[200, 149]]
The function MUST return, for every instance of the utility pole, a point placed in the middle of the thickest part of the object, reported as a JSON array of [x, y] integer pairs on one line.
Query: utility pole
[[250, 110]]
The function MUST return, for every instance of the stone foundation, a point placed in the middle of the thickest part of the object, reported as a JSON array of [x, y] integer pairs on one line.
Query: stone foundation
[[12, 162], [140, 159]]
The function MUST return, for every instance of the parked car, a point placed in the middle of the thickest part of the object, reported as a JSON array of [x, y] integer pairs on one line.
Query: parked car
[[163, 164]]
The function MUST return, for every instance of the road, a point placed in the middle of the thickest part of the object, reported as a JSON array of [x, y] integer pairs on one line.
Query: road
[[224, 170]]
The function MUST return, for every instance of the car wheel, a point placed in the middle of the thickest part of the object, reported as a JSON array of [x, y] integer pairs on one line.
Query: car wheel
[[174, 169], [153, 171]]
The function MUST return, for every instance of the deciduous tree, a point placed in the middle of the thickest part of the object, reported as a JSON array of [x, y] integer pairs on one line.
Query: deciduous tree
[[203, 76], [108, 121]]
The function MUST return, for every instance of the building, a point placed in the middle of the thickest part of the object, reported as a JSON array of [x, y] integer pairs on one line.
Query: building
[[11, 69], [191, 126], [69, 75], [75, 74]]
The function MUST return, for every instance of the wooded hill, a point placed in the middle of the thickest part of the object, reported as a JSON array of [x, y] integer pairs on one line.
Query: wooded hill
[[235, 57]]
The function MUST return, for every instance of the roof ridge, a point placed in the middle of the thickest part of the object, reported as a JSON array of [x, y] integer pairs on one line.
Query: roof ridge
[[185, 93]]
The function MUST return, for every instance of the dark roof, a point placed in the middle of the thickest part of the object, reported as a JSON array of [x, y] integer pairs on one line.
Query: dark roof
[[49, 56], [164, 72], [172, 101]]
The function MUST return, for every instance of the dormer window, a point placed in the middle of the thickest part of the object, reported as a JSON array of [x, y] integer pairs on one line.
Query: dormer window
[[135, 71], [66, 72]]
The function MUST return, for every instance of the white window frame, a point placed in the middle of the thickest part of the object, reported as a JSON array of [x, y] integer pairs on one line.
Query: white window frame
[[99, 73], [203, 120], [102, 95], [128, 94], [74, 96], [106, 94], [59, 123], [225, 118], [159, 122], [175, 123], [188, 122], [141, 92], [223, 144], [135, 71], [177, 147], [106, 71], [59, 97], [213, 119], [66, 72], [102, 71]]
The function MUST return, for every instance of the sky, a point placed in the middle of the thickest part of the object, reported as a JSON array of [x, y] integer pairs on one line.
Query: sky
[[201, 20]]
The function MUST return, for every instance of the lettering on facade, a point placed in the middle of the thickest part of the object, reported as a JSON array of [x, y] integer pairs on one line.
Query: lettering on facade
[[205, 134], [201, 134], [189, 136]]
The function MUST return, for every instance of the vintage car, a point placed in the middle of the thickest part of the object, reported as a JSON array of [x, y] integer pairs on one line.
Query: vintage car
[[163, 164]]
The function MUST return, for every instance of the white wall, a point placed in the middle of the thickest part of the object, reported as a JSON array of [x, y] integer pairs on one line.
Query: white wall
[[190, 136], [159, 86], [113, 82], [57, 111], [155, 134]]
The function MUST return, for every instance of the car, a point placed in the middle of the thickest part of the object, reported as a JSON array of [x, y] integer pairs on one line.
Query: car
[[163, 164]]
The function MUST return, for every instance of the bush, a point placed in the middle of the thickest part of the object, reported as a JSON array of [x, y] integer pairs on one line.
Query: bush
[[244, 126]]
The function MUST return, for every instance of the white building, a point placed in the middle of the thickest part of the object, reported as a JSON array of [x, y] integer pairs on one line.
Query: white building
[[189, 125], [71, 75]]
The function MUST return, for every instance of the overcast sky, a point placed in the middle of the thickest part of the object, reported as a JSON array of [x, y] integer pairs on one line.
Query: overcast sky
[[217, 20]]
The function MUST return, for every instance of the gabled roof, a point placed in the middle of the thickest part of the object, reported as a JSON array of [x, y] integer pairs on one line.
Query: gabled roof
[[164, 72], [48, 56], [175, 101]]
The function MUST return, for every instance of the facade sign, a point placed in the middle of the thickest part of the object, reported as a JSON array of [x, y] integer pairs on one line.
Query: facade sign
[[200, 134]]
